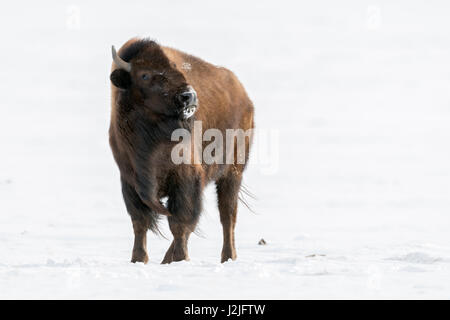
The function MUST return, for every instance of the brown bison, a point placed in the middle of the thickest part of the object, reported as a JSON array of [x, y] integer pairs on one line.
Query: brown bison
[[156, 90]]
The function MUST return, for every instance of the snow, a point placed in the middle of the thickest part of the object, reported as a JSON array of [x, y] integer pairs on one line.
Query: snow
[[355, 205]]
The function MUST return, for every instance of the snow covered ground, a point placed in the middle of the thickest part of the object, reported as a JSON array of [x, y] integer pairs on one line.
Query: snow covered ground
[[358, 207]]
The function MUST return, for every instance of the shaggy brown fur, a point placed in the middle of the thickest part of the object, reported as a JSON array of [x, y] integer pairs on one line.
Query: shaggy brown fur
[[144, 114]]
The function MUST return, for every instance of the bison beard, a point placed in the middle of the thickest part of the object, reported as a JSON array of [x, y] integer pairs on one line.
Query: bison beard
[[146, 108]]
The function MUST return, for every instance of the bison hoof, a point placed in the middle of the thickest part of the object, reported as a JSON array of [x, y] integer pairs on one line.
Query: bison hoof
[[227, 255], [175, 254], [139, 256]]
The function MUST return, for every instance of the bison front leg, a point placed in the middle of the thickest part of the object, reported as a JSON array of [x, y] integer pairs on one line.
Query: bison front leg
[[140, 242], [185, 206], [227, 194], [178, 250], [142, 218]]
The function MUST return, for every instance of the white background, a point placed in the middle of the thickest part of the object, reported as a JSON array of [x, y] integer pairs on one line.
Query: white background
[[358, 92]]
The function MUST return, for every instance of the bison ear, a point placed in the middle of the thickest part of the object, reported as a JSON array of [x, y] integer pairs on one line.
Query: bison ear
[[121, 78]]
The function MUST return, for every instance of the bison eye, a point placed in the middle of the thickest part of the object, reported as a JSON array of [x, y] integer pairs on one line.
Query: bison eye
[[145, 76]]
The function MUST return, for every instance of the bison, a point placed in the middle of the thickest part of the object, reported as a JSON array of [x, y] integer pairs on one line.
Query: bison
[[156, 90]]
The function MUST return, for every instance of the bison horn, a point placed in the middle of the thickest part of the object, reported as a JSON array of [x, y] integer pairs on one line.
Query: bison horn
[[119, 61]]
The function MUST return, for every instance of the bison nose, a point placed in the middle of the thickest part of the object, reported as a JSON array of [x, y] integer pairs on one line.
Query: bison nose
[[187, 98]]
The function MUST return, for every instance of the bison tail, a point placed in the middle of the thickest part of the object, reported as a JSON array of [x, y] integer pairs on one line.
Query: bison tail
[[244, 194]]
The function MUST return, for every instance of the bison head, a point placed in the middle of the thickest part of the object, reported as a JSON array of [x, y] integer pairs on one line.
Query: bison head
[[153, 81]]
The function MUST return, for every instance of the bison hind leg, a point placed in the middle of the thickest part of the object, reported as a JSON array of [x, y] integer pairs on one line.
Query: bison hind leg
[[228, 195]]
